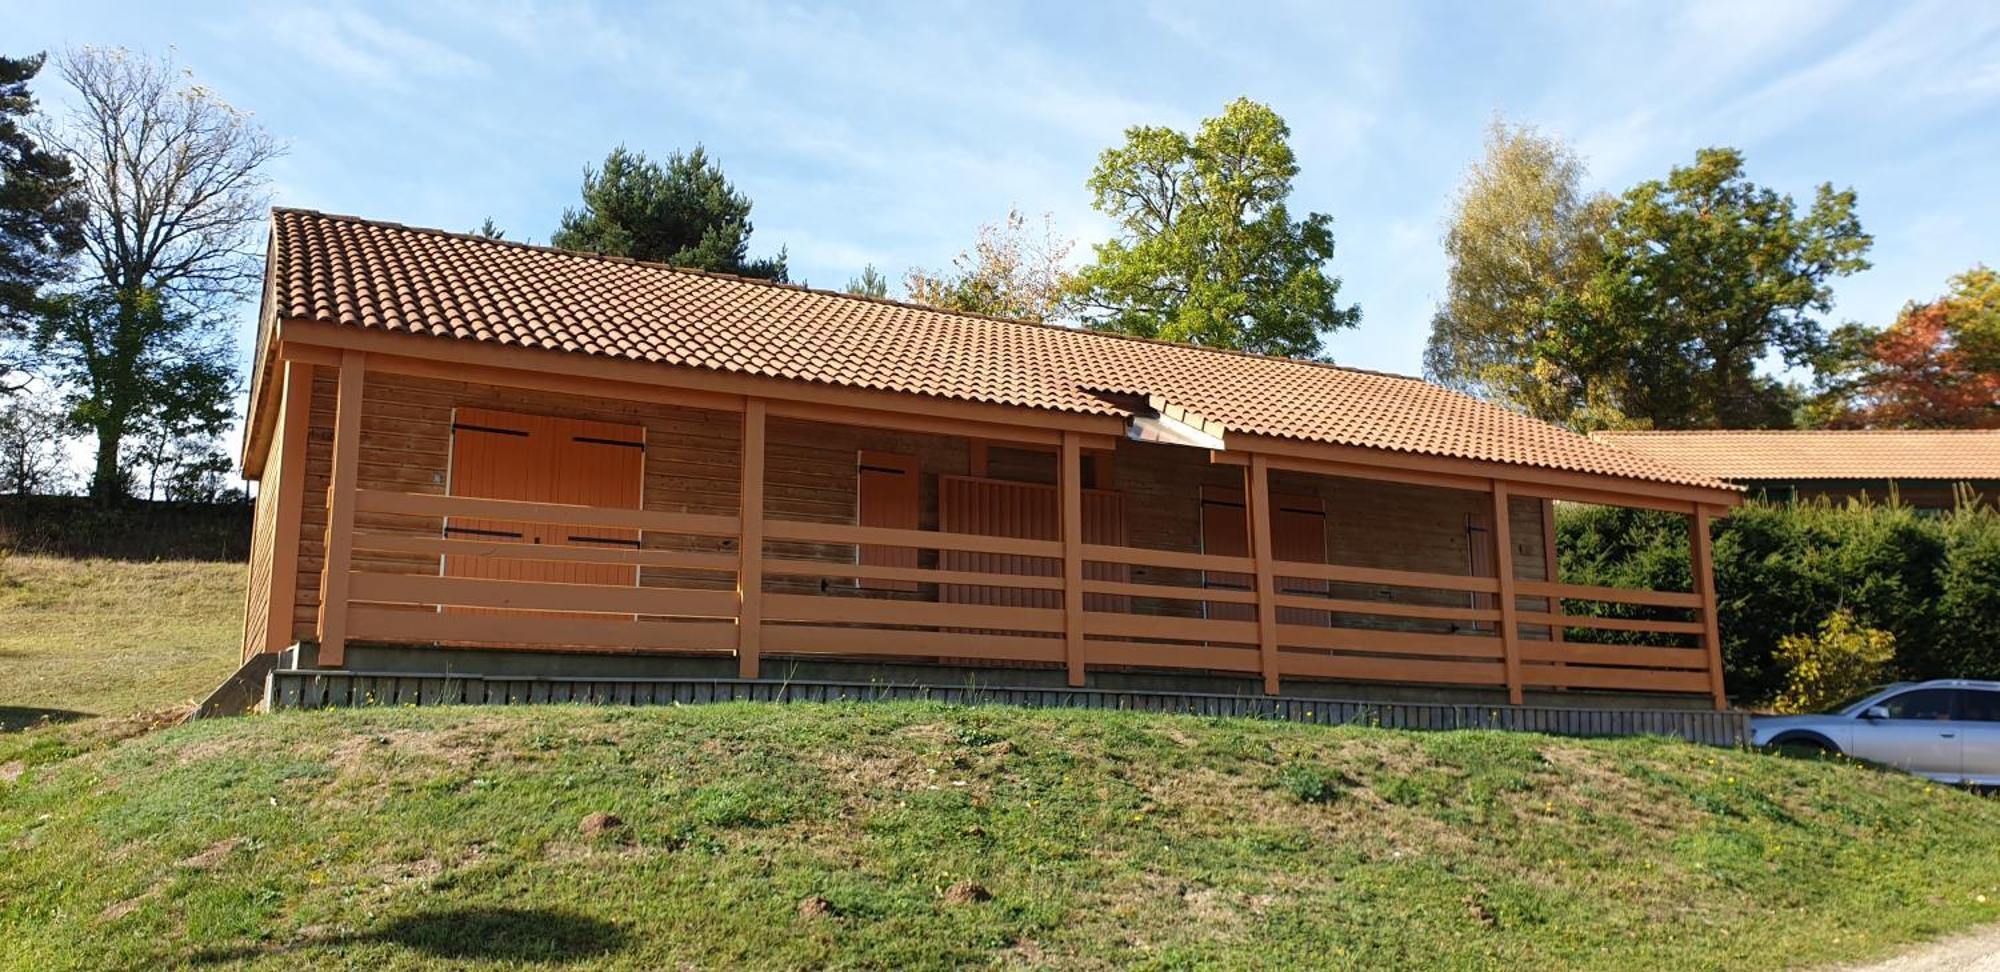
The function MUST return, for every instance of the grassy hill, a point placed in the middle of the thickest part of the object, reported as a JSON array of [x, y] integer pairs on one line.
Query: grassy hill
[[926, 836], [893, 835], [82, 638]]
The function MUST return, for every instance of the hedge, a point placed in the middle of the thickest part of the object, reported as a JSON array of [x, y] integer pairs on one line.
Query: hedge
[[1931, 579]]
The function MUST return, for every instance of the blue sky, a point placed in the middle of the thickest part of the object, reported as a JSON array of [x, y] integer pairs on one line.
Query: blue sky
[[887, 134]]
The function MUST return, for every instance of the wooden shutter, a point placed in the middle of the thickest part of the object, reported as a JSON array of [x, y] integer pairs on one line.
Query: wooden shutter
[[1298, 534], [1479, 557], [887, 495], [503, 455]]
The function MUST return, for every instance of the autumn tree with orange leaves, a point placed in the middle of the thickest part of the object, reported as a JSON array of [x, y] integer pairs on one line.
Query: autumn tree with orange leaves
[[1936, 367]]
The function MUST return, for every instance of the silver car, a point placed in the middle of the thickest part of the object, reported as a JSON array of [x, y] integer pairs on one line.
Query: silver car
[[1947, 730]]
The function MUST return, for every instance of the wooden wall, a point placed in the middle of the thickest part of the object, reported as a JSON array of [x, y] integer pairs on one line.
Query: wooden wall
[[263, 527], [691, 466]]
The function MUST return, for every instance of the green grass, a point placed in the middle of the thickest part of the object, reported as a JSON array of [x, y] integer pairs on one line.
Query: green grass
[[82, 638], [407, 838], [389, 839]]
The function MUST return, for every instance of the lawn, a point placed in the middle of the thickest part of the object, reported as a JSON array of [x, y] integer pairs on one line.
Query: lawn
[[895, 836], [82, 638], [923, 836]]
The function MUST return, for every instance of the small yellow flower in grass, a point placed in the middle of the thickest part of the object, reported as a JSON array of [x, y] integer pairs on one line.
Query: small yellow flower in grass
[[1979, 898]]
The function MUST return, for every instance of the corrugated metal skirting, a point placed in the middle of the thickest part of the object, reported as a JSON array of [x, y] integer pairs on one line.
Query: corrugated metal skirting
[[311, 689]]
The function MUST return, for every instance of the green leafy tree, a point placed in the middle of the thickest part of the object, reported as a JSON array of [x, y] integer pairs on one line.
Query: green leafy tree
[[173, 176], [870, 283], [1011, 271], [1208, 252], [1706, 274], [685, 213], [490, 230], [41, 214], [133, 365], [1653, 310], [1524, 242]]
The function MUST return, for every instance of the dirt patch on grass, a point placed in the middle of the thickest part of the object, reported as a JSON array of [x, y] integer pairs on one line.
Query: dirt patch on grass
[[213, 856], [457, 749]]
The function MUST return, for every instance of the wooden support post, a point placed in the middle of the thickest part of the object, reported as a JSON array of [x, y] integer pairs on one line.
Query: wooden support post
[[340, 511], [750, 545], [1704, 585], [1503, 570], [1552, 572], [1552, 564], [975, 462], [1259, 495], [294, 428], [1071, 503]]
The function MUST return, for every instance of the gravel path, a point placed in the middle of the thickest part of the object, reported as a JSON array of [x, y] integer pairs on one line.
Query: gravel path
[[1976, 952]]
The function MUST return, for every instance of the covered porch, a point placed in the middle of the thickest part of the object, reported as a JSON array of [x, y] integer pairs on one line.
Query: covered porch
[[501, 498]]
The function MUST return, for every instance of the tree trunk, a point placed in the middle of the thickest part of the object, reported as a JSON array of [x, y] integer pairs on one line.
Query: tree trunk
[[106, 485]]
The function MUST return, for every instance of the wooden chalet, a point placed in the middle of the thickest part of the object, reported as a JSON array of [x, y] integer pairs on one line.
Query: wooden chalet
[[469, 446]]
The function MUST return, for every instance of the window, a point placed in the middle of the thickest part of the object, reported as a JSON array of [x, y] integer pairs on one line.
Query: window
[[1979, 705], [886, 495], [1925, 704]]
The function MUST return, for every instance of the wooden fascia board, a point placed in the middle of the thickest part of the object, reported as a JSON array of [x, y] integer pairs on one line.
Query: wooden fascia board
[[260, 413], [716, 389], [1474, 474]]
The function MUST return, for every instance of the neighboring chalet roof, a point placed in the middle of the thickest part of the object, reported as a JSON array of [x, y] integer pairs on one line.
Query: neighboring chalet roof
[[1749, 456], [384, 276]]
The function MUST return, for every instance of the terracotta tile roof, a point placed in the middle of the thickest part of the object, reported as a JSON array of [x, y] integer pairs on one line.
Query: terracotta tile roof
[[369, 274], [1790, 455]]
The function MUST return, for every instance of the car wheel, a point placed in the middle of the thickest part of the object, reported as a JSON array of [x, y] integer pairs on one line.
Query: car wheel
[[1802, 746]]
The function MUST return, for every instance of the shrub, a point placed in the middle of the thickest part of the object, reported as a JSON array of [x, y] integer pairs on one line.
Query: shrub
[[1311, 784], [1835, 664], [1932, 581]]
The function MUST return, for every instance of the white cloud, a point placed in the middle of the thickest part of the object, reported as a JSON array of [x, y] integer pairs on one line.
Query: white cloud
[[363, 48]]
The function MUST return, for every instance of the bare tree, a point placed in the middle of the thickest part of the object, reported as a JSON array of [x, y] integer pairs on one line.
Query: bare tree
[[174, 180], [172, 173], [33, 425]]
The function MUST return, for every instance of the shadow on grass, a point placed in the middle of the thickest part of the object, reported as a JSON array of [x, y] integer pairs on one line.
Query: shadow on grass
[[539, 935], [13, 717]]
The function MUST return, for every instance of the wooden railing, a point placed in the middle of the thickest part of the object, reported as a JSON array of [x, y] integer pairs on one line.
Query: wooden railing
[[1325, 621]]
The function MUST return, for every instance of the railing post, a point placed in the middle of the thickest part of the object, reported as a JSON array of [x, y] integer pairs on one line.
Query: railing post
[[1703, 563], [1071, 504], [750, 543], [340, 511], [294, 428], [1503, 570], [1259, 495], [1552, 572]]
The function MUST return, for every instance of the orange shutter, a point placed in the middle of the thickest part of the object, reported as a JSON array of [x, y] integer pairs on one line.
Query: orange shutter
[[887, 494], [503, 455]]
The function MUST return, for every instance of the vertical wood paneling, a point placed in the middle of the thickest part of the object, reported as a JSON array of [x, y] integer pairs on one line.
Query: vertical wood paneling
[[888, 493]]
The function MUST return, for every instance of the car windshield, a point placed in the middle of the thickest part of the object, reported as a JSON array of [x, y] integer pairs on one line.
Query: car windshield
[[1853, 702]]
